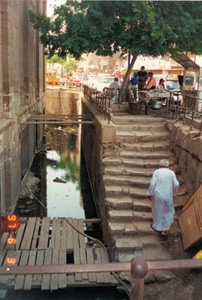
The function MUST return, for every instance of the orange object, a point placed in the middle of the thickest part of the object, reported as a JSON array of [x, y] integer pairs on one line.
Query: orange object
[[11, 241], [11, 260], [12, 218], [13, 226]]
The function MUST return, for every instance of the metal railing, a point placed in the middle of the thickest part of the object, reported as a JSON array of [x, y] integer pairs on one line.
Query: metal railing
[[138, 268], [188, 112], [100, 99]]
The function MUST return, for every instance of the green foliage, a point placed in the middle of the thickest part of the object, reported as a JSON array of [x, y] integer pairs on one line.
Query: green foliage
[[69, 65], [141, 27]]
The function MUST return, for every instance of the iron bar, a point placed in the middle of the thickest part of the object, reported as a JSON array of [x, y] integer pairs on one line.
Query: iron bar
[[192, 119], [108, 267], [70, 122]]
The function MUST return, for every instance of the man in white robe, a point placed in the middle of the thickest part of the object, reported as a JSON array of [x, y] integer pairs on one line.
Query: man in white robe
[[163, 187]]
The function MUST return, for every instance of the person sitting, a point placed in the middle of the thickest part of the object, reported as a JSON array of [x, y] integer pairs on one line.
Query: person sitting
[[114, 86], [151, 82], [161, 86]]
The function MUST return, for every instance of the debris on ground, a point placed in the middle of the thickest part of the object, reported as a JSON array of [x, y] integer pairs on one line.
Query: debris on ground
[[59, 180]]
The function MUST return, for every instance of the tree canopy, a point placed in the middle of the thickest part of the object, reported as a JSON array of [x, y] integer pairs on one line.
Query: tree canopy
[[137, 27], [105, 27], [70, 65]]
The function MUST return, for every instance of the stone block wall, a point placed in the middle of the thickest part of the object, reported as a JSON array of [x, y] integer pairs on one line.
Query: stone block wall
[[98, 142], [22, 88], [187, 146]]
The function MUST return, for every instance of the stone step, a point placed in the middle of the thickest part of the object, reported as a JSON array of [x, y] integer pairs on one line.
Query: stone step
[[136, 243], [128, 203], [118, 191], [135, 137], [126, 181], [127, 171], [152, 253], [137, 120], [138, 228], [151, 147], [145, 163], [128, 214], [147, 155], [112, 161], [133, 127]]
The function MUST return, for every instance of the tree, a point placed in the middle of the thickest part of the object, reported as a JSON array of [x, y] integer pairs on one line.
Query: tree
[[69, 65], [136, 27]]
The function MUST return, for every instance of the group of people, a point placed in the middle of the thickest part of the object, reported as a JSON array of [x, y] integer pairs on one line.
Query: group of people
[[146, 81]]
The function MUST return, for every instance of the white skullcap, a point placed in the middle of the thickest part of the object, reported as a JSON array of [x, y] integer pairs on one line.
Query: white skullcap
[[164, 163]]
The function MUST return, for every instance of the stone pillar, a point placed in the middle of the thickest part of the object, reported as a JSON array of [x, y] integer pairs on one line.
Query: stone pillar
[[5, 57]]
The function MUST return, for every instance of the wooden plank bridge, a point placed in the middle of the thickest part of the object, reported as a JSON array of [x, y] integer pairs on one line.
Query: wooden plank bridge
[[52, 242]]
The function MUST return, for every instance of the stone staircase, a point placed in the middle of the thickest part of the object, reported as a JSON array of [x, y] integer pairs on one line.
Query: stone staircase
[[141, 141]]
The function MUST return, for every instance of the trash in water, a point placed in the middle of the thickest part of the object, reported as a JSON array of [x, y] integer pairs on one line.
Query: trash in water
[[59, 180]]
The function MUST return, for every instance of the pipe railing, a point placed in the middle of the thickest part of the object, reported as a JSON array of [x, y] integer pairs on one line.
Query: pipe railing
[[138, 268], [100, 99], [188, 112]]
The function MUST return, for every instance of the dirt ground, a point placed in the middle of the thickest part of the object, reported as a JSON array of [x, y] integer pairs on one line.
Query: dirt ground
[[186, 285]]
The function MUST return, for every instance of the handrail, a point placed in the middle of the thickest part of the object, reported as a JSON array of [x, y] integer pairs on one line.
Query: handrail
[[138, 268], [100, 99]]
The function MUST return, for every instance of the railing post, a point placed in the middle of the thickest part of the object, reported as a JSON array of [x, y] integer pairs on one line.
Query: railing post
[[139, 270], [192, 120]]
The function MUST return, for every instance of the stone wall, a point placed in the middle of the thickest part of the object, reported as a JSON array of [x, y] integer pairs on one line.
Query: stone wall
[[187, 146], [22, 90], [60, 102], [98, 142]]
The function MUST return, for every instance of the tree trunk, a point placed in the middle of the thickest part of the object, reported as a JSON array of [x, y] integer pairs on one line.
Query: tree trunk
[[125, 80]]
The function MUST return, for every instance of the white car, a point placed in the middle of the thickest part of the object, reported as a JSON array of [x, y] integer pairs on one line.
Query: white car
[[90, 80]]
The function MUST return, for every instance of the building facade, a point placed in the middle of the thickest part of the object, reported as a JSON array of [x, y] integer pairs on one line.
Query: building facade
[[22, 88]]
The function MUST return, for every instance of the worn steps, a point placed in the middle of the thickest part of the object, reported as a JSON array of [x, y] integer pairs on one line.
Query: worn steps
[[138, 136], [133, 127], [137, 163], [137, 120], [151, 147], [141, 141]]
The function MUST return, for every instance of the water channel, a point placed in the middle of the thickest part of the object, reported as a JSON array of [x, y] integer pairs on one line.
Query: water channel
[[63, 190]]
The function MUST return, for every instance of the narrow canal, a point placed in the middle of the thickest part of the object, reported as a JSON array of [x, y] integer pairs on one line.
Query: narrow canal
[[60, 187]]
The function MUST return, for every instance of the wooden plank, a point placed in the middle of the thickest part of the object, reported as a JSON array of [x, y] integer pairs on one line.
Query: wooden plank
[[28, 278], [36, 233], [77, 260], [62, 261], [75, 234], [54, 277], [4, 240], [44, 234], [39, 262], [14, 256], [81, 237], [70, 280], [69, 236], [19, 235], [2, 256], [90, 260], [19, 281], [57, 236], [97, 256], [28, 235], [105, 259], [63, 243], [53, 233], [45, 285], [83, 261]]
